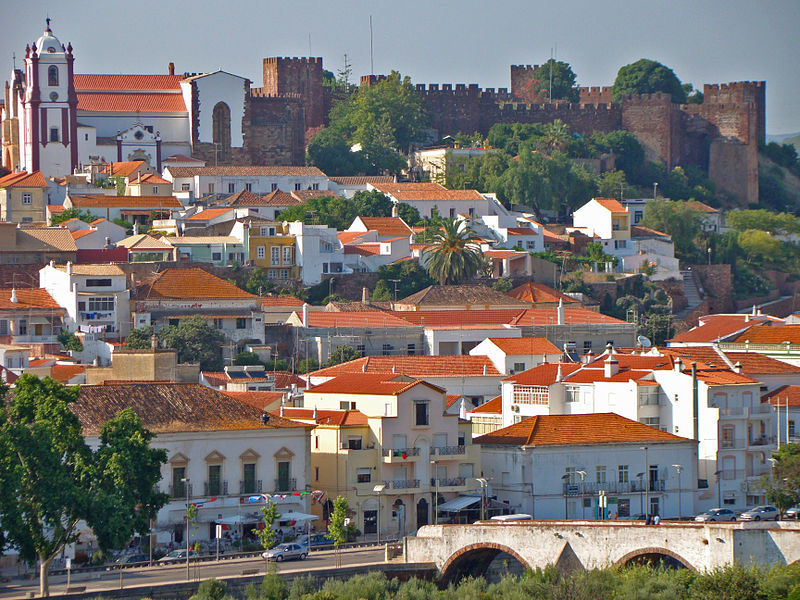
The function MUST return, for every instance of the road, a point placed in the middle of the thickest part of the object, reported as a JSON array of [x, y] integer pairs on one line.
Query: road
[[108, 580]]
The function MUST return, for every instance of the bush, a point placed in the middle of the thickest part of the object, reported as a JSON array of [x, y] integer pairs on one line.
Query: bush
[[210, 589]]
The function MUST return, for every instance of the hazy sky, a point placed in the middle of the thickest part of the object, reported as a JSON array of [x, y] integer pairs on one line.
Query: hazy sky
[[434, 41]]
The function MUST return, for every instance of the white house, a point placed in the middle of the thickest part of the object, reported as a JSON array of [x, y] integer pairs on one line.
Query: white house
[[510, 233], [226, 454], [196, 182], [432, 198], [514, 355], [590, 466], [319, 251], [786, 400]]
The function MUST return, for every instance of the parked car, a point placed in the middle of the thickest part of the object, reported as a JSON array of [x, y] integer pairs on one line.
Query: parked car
[[132, 558], [317, 539], [716, 514], [286, 552], [176, 555], [793, 513], [761, 513]]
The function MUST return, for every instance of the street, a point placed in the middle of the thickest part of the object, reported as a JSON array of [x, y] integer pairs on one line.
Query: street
[[108, 580]]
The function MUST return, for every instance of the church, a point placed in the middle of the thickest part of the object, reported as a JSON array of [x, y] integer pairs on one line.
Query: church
[[58, 122]]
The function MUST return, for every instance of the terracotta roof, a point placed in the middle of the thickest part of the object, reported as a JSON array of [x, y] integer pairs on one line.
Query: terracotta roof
[[92, 269], [410, 192], [636, 361], [362, 249], [189, 283], [611, 204], [459, 318], [492, 407], [387, 225], [55, 209], [780, 396], [116, 102], [331, 417], [354, 319], [255, 171], [357, 306], [572, 316], [277, 198], [712, 328], [595, 375], [545, 374], [769, 333], [521, 231], [533, 291], [260, 400], [281, 301], [640, 231], [415, 366], [95, 222], [526, 346], [150, 179], [76, 235], [369, 384], [451, 399], [578, 429], [64, 373], [27, 298], [23, 179], [700, 207], [32, 238], [719, 377], [201, 239], [348, 237], [100, 201], [99, 81], [753, 363], [459, 295], [282, 379], [143, 241], [306, 195], [243, 198], [503, 254], [208, 214], [362, 180], [169, 408]]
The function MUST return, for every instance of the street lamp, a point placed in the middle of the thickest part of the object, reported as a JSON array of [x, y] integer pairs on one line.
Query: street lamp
[[647, 480], [719, 496], [709, 255], [484, 484], [655, 190], [378, 489], [583, 504], [566, 479], [641, 489], [435, 464], [185, 481], [679, 468]]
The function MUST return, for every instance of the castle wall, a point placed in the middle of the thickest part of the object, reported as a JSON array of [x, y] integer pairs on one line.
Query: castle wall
[[301, 76], [733, 166], [276, 131], [740, 93]]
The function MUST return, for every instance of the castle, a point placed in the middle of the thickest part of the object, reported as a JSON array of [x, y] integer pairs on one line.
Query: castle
[[55, 121]]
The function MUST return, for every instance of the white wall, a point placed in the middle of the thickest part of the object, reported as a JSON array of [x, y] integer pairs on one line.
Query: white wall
[[220, 87]]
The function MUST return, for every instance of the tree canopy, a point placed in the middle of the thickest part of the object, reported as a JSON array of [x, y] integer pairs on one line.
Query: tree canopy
[[194, 340], [341, 354], [564, 84], [50, 479], [454, 255], [338, 212], [677, 219], [647, 76], [73, 213]]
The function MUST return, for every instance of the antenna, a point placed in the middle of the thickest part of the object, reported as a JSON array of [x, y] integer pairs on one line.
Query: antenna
[[371, 61], [550, 96], [14, 59], [309, 45]]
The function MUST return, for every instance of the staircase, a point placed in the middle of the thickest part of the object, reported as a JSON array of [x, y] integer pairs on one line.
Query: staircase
[[691, 293]]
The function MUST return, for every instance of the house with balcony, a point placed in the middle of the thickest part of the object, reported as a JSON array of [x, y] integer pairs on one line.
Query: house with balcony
[[400, 448], [268, 245], [30, 316], [221, 453], [591, 467], [431, 199], [786, 402], [133, 209], [219, 250], [95, 297]]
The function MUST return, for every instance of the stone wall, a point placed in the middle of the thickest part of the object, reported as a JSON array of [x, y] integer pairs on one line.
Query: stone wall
[[275, 134], [284, 76]]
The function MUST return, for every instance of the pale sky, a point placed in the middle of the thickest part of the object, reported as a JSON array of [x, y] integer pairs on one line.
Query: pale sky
[[439, 41]]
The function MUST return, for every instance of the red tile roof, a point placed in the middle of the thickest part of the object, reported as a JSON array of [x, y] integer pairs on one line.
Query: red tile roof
[[240, 171], [282, 379], [331, 417], [410, 192], [521, 231], [780, 396], [713, 328], [362, 180], [700, 207], [362, 249], [64, 373], [306, 195], [636, 361], [81, 233], [492, 407], [526, 345], [533, 291], [106, 82], [354, 319], [190, 283], [769, 333], [544, 374], [101, 201], [28, 298], [387, 225], [572, 316], [23, 179], [260, 400], [641, 231], [369, 383], [150, 178], [586, 429], [208, 214], [142, 102], [459, 318], [415, 366], [281, 301], [611, 204], [753, 363], [459, 295]]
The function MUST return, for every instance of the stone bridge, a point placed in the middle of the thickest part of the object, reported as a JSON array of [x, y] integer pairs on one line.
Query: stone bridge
[[459, 550]]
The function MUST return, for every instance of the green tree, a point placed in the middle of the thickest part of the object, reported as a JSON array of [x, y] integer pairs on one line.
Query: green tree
[[677, 219], [408, 213], [247, 358], [257, 283], [759, 245], [611, 184], [337, 529], [408, 276], [330, 151], [647, 77], [196, 342], [556, 136], [763, 220], [211, 589], [783, 486], [372, 204], [140, 338], [504, 284], [342, 354], [73, 213], [307, 364], [50, 479], [563, 81], [454, 255], [69, 341], [266, 535]]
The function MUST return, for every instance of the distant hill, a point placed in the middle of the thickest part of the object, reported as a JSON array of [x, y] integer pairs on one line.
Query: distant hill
[[794, 140], [785, 138]]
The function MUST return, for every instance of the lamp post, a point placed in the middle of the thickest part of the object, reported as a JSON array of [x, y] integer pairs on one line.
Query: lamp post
[[435, 464], [719, 495], [646, 482], [709, 255], [484, 483], [185, 481], [679, 468], [583, 504], [565, 478], [641, 491], [378, 489], [655, 190]]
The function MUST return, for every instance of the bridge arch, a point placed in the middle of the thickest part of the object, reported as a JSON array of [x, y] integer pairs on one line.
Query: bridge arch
[[654, 554], [474, 560]]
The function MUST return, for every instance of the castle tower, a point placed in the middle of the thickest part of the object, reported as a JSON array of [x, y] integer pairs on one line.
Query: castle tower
[[48, 123], [284, 76]]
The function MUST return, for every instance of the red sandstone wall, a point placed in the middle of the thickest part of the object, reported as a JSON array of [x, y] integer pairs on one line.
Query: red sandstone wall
[[302, 76]]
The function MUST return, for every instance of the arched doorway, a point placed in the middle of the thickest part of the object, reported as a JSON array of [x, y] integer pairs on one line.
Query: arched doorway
[[399, 515], [422, 513], [490, 561], [655, 557], [221, 130]]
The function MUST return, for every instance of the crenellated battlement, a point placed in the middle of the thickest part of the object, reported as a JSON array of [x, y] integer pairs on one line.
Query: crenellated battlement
[[303, 60]]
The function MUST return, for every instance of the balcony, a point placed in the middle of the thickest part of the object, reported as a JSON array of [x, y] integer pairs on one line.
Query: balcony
[[283, 485], [448, 450], [179, 491], [731, 443], [447, 482], [215, 488], [591, 488], [402, 484], [762, 440], [732, 411], [761, 409], [251, 487], [396, 455]]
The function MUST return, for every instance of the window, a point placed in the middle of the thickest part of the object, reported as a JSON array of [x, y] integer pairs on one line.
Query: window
[[231, 188], [411, 349], [274, 187], [519, 367], [98, 283], [728, 440], [462, 438], [23, 326], [363, 475], [354, 443], [272, 274], [298, 187], [791, 423], [346, 405], [314, 186], [27, 198], [101, 304], [452, 213], [4, 331], [185, 187], [216, 256], [387, 349], [570, 475], [287, 255], [316, 473], [284, 470], [214, 480], [178, 486], [248, 187], [572, 393], [622, 473], [652, 421], [86, 137], [600, 473], [648, 395], [360, 349], [210, 188], [249, 476], [620, 244], [587, 346], [421, 418], [54, 134], [284, 274], [154, 190], [530, 244], [531, 394], [241, 323], [638, 215], [217, 323], [52, 76], [261, 252], [275, 256], [466, 470]]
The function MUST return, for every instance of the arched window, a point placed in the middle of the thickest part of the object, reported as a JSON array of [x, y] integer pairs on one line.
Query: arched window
[[52, 75], [221, 128]]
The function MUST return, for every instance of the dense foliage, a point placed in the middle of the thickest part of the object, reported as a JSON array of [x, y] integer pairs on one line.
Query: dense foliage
[[559, 76], [407, 277], [73, 213], [647, 77], [454, 256], [193, 338], [339, 212]]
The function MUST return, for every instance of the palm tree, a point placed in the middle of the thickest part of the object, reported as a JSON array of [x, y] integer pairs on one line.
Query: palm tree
[[454, 255], [556, 135]]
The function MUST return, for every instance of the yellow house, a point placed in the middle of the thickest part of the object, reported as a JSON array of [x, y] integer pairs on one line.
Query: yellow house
[[386, 441], [147, 184], [271, 248], [23, 197]]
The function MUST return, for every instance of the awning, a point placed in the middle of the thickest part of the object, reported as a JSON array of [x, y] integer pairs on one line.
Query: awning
[[460, 503], [297, 516], [38, 321]]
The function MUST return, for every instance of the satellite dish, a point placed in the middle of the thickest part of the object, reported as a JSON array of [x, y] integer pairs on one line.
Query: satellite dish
[[644, 341]]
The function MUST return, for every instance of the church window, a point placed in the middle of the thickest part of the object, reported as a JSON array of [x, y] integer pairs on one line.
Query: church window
[[221, 128], [54, 134], [52, 75]]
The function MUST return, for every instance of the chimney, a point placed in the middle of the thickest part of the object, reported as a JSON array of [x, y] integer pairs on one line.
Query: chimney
[[678, 365], [108, 242], [395, 213], [560, 312], [737, 367], [364, 295], [484, 369], [610, 366], [281, 408], [135, 229], [14, 298], [559, 374], [462, 410], [69, 267], [52, 264], [364, 367], [305, 315], [171, 68], [314, 415]]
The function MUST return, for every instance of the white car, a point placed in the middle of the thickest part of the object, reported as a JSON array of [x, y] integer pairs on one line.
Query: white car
[[761, 513], [793, 513], [286, 552], [716, 514]]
